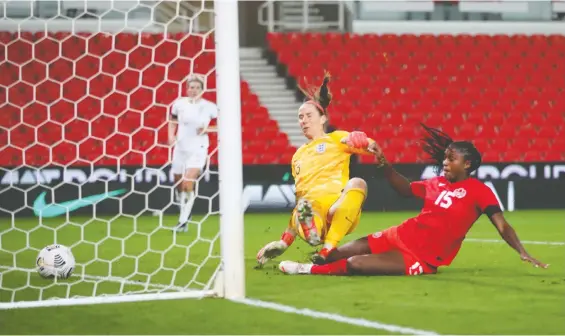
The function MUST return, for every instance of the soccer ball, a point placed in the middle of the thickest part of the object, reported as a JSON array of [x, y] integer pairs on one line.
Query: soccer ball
[[55, 261]]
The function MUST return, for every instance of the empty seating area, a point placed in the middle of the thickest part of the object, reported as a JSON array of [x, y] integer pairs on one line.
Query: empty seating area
[[103, 99], [506, 93]]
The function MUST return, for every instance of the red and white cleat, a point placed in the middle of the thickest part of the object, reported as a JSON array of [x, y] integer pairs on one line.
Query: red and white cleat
[[292, 267], [305, 217]]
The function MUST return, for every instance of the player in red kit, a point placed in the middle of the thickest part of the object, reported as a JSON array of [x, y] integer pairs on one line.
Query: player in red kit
[[452, 204]]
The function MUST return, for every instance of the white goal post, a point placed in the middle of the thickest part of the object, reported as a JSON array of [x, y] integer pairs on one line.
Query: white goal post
[[121, 256], [230, 154]]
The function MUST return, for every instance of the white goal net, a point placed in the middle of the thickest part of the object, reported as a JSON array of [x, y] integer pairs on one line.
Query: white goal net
[[85, 93]]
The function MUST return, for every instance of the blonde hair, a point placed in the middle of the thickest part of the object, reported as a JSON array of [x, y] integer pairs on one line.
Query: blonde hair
[[196, 78]]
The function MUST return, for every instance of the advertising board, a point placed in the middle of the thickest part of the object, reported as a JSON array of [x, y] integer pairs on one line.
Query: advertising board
[[54, 191]]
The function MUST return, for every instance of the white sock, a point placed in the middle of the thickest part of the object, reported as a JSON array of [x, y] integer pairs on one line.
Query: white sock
[[182, 202], [186, 206], [177, 197]]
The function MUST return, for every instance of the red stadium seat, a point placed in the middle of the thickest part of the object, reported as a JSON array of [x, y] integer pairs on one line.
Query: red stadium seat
[[103, 89], [480, 111], [502, 91]]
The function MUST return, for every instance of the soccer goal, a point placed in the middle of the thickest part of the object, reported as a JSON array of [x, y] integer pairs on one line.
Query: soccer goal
[[85, 96]]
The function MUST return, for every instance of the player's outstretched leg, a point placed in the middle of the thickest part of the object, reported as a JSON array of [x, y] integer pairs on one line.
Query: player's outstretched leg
[[387, 263], [343, 216], [354, 248]]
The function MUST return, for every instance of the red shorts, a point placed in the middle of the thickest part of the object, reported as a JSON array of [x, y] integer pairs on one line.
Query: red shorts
[[387, 240]]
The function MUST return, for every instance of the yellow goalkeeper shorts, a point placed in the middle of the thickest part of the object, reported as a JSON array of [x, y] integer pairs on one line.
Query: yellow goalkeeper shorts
[[320, 207]]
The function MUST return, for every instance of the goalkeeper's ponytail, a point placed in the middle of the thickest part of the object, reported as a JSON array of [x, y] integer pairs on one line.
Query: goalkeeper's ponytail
[[323, 95], [320, 97]]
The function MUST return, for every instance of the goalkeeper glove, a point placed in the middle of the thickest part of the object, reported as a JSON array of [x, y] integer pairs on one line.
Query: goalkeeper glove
[[275, 248], [270, 251], [356, 139]]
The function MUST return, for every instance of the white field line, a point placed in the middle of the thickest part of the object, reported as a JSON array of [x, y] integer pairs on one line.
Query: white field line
[[527, 242], [107, 278], [250, 302], [305, 311], [334, 317]]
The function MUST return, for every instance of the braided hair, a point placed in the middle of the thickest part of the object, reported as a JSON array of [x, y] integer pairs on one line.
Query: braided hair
[[436, 142]]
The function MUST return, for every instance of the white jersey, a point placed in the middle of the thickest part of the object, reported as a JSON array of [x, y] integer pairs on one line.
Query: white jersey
[[191, 117]]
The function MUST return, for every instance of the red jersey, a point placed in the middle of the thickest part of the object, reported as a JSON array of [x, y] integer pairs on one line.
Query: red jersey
[[450, 209]]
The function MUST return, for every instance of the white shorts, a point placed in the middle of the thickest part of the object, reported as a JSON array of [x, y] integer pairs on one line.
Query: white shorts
[[186, 160]]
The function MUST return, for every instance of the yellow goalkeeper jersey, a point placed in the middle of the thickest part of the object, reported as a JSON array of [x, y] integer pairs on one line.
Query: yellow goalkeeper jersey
[[321, 167]]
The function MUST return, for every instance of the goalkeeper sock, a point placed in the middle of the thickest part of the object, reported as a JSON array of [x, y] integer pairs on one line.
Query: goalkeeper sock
[[186, 206], [336, 268], [345, 217]]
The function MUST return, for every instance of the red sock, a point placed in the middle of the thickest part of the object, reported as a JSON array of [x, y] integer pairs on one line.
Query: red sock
[[336, 268]]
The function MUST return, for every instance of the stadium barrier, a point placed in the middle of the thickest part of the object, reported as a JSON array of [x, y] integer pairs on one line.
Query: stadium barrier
[[52, 192]]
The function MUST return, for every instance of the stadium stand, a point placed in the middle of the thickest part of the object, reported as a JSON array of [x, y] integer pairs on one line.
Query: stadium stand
[[59, 104], [504, 91], [512, 86], [80, 120]]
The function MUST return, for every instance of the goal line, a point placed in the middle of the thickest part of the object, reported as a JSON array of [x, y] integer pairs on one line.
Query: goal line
[[184, 293], [148, 291]]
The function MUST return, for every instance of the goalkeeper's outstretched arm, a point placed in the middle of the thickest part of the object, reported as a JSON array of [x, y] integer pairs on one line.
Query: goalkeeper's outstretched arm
[[276, 248]]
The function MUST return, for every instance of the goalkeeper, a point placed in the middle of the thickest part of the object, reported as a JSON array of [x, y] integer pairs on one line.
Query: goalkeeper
[[328, 202]]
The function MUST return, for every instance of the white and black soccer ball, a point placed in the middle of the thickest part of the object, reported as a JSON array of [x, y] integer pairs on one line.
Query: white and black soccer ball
[[55, 261]]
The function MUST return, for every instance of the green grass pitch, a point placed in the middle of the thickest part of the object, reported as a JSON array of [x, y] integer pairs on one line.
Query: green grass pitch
[[487, 290]]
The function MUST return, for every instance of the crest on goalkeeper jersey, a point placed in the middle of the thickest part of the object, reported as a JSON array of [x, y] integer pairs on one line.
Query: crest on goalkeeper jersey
[[321, 148]]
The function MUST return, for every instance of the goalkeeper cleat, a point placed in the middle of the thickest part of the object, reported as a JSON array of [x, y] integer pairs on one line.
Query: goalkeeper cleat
[[292, 267], [181, 227], [305, 216], [321, 257]]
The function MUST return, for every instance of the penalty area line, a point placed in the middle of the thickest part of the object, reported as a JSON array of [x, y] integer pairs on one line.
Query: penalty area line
[[334, 317], [530, 242]]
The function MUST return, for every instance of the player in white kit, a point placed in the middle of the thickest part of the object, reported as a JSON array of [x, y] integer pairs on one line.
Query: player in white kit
[[192, 114]]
